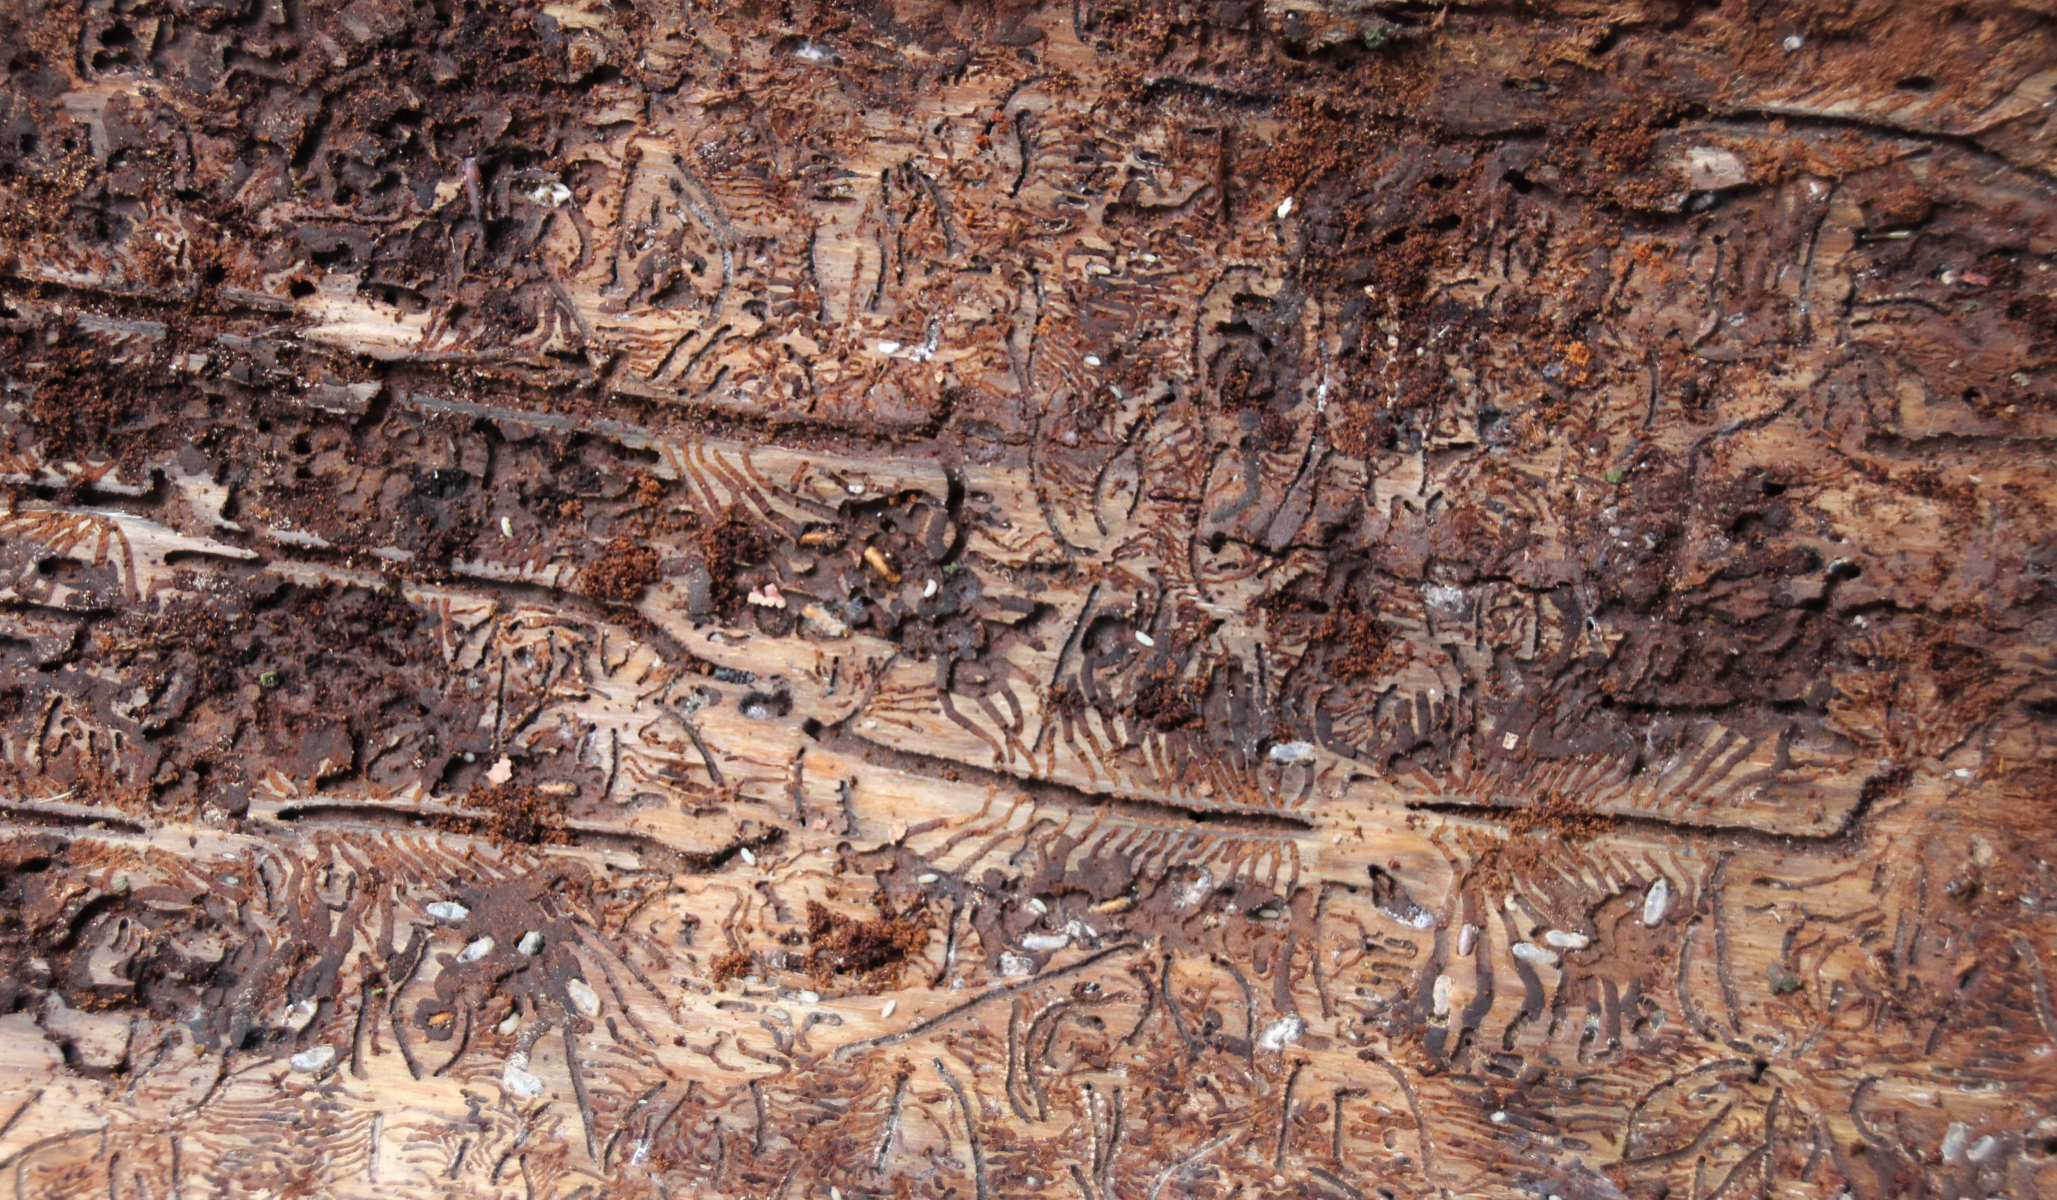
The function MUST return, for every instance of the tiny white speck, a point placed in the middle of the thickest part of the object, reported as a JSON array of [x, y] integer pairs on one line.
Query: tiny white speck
[[1499, 1118], [1794, 43], [889, 347], [1285, 208], [506, 527], [748, 857], [856, 489], [887, 1011], [1145, 639], [1092, 360], [929, 589], [1036, 903], [927, 877], [1510, 741]]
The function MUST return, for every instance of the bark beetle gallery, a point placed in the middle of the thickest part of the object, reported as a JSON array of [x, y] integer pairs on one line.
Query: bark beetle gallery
[[1108, 599]]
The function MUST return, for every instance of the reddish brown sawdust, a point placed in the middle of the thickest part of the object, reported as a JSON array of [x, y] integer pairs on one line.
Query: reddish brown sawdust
[[725, 547], [649, 488], [1161, 698], [1560, 816], [1579, 357], [1899, 207], [75, 413], [733, 965], [621, 573], [1319, 140], [730, 543], [1531, 829], [1367, 648], [1238, 387], [1610, 157], [510, 814], [873, 950]]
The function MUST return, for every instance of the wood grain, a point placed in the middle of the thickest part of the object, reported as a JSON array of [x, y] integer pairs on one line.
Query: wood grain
[[1239, 600]]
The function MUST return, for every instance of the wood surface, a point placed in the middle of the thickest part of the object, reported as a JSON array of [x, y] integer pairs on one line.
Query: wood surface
[[925, 599]]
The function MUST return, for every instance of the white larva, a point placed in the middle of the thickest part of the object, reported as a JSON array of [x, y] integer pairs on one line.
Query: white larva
[[311, 1061], [1655, 901], [583, 997]]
